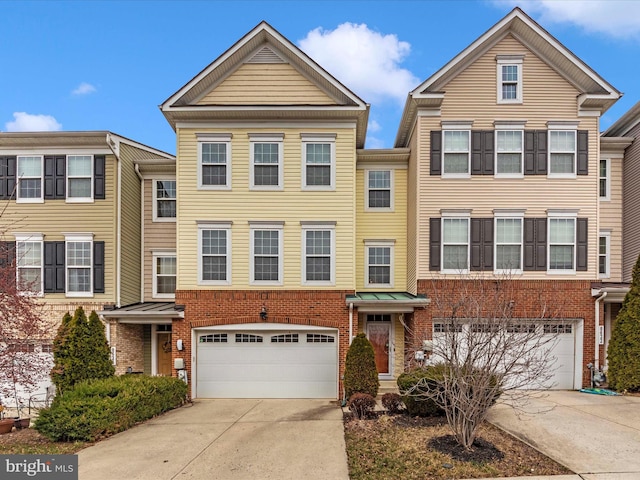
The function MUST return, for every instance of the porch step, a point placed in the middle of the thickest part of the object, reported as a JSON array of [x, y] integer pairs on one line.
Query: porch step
[[387, 386]]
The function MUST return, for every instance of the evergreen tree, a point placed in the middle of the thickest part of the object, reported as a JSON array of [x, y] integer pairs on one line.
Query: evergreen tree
[[100, 365], [623, 354], [60, 353], [361, 373]]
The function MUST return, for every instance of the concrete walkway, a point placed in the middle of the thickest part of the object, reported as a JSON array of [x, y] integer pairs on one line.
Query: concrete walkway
[[598, 437], [227, 439]]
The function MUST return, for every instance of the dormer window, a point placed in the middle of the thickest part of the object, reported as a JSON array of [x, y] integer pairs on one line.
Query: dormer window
[[509, 78]]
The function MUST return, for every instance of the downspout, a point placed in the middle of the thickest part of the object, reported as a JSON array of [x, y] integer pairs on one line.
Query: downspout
[[119, 235], [136, 168], [350, 322], [596, 360]]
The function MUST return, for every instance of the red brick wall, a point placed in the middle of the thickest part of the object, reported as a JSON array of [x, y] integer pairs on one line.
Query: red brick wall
[[554, 299], [205, 308], [129, 342]]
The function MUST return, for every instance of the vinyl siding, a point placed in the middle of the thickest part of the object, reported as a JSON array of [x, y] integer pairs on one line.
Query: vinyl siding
[[611, 219], [383, 225], [54, 218], [158, 236], [241, 205], [631, 188], [472, 96], [266, 84]]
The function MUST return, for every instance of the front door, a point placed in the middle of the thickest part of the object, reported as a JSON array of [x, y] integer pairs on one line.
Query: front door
[[379, 336], [164, 354]]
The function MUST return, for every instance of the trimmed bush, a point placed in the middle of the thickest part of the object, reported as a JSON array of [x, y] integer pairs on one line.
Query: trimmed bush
[[360, 372], [361, 405], [95, 409], [392, 402], [414, 384]]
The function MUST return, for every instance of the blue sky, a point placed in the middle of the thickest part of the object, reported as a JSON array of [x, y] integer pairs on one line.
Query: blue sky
[[107, 65]]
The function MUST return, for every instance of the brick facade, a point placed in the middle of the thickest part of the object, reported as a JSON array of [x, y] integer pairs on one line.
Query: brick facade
[[553, 299], [203, 308], [129, 342]]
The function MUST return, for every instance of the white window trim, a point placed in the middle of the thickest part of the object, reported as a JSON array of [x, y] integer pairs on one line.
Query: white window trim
[[508, 129], [561, 215], [33, 238], [279, 227], [224, 138], [560, 128], [226, 226], [255, 138], [516, 60], [391, 207], [385, 244], [30, 200], [449, 127], [500, 216], [155, 217], [329, 138], [69, 199], [607, 235], [156, 256], [457, 215], [318, 226], [78, 237], [606, 197]]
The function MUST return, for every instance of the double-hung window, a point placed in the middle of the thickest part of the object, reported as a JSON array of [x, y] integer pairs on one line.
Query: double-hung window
[[214, 161], [79, 261], [30, 173], [266, 161], [29, 258], [604, 254], [455, 245], [604, 177], [318, 161], [318, 264], [379, 256], [509, 146], [164, 198], [508, 244], [455, 153], [164, 274], [562, 153], [509, 78], [215, 253], [379, 190], [562, 245], [79, 178], [266, 253]]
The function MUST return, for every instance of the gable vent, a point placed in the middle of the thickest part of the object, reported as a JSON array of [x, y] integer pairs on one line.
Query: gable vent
[[266, 55]]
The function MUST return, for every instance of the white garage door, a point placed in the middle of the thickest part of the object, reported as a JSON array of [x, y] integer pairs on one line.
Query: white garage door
[[267, 364], [563, 350]]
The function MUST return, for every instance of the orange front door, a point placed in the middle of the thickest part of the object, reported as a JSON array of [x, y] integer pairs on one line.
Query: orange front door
[[378, 334], [164, 354]]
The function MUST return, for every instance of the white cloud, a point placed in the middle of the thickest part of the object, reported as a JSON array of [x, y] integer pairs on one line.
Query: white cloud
[[375, 142], [368, 62], [26, 122], [84, 89], [373, 126], [616, 18]]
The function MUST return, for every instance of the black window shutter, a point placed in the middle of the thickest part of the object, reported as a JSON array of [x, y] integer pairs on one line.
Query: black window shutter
[[488, 138], [7, 254], [541, 152], [54, 267], [99, 177], [436, 152], [60, 176], [435, 225], [481, 244], [98, 267], [583, 152], [582, 241], [541, 243], [7, 177], [529, 152], [54, 176], [476, 152]]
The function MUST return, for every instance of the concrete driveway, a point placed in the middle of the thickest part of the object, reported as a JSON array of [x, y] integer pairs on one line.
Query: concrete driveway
[[227, 439], [598, 437]]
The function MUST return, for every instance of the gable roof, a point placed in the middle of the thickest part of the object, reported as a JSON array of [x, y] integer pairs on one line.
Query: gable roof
[[596, 93], [264, 44], [625, 123]]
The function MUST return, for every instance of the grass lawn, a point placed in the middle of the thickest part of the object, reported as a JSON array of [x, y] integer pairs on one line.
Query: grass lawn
[[30, 442], [401, 446]]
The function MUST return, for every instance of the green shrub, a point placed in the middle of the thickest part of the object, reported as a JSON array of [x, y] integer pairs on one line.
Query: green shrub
[[98, 408], [392, 402], [623, 353], [414, 384], [360, 373], [361, 405]]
